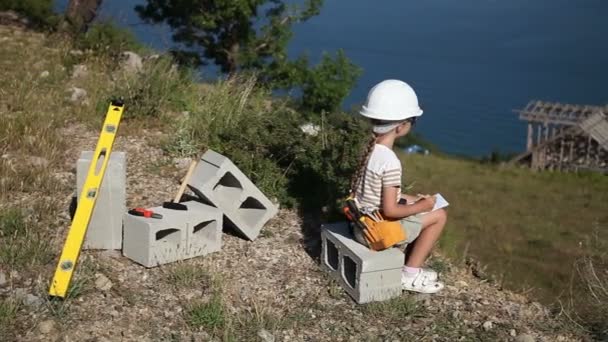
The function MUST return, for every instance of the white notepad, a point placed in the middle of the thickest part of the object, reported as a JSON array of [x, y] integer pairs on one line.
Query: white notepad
[[440, 202]]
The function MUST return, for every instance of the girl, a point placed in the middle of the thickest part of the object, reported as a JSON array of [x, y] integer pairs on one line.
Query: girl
[[392, 106]]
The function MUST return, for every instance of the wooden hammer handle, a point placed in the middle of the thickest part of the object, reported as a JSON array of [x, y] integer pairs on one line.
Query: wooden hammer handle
[[182, 187]]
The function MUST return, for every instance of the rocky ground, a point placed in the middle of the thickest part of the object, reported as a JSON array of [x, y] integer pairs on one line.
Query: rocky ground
[[270, 289]]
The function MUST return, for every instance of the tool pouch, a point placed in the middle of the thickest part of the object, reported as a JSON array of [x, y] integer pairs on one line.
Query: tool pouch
[[383, 234]]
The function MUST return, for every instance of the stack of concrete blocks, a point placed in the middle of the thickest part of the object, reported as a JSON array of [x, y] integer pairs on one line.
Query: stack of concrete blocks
[[366, 275], [105, 227], [218, 182], [178, 235]]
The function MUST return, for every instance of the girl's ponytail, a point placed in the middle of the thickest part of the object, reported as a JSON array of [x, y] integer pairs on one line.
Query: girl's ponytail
[[354, 182]]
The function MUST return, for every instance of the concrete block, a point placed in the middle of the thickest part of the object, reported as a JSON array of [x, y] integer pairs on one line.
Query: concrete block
[[105, 228], [178, 235], [204, 233], [217, 181], [364, 274]]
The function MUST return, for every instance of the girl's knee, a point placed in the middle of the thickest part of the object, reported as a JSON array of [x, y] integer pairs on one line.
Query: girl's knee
[[442, 215]]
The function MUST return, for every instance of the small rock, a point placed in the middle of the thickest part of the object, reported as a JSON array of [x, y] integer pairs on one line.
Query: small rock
[[102, 283], [266, 335], [44, 74], [132, 62], [560, 338], [2, 279], [75, 52], [462, 283], [32, 300], [487, 325], [80, 71], [524, 338], [46, 327], [182, 163], [77, 94], [513, 332], [456, 314]]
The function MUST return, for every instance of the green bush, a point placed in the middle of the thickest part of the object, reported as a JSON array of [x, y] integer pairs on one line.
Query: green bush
[[12, 222], [265, 141], [39, 12], [105, 37], [210, 315], [159, 88]]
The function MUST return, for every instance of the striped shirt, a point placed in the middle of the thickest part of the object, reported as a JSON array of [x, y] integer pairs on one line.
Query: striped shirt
[[383, 170]]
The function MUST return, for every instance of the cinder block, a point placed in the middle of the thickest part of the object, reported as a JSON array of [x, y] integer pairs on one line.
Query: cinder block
[[217, 181], [178, 235], [105, 228], [204, 234], [364, 274]]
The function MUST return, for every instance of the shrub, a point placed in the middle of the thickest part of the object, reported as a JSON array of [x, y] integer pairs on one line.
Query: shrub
[[39, 12], [105, 37], [8, 314], [266, 142], [159, 88], [210, 315], [12, 222]]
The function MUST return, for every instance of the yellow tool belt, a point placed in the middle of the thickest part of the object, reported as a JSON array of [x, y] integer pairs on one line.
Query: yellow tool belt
[[382, 234]]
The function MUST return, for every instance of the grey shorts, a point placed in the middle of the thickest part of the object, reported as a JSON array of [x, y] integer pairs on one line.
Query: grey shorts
[[411, 225]]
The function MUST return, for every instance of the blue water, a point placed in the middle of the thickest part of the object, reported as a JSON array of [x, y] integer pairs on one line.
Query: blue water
[[470, 61]]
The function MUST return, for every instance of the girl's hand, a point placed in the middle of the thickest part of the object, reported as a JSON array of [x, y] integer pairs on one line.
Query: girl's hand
[[428, 203]]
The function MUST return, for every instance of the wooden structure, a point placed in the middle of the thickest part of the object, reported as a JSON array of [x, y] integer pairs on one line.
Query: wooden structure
[[565, 137]]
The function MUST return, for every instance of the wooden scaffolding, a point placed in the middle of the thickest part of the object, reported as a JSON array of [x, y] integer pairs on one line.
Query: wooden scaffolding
[[565, 137]]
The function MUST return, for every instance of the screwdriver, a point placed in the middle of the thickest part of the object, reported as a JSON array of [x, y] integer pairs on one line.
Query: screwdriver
[[145, 213]]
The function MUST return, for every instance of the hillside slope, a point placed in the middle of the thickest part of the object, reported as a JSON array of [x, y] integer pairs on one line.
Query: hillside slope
[[269, 289]]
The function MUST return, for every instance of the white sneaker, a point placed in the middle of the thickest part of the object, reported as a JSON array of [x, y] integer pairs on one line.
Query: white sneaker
[[420, 282], [430, 273]]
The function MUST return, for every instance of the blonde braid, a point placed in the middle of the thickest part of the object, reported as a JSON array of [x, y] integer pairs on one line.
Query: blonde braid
[[355, 181]]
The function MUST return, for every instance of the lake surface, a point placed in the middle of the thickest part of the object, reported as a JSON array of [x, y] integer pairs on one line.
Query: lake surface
[[471, 62]]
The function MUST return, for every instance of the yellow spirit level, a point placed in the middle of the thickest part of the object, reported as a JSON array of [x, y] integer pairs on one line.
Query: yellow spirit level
[[88, 197]]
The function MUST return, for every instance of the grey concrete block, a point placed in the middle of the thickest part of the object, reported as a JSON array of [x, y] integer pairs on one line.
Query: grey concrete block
[[217, 181], [105, 227], [204, 231], [178, 235], [364, 274]]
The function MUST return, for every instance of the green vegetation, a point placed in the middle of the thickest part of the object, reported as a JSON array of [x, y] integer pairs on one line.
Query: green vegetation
[[394, 310], [22, 245], [252, 36], [526, 225], [188, 275], [587, 300], [8, 314], [106, 38], [209, 315], [39, 12], [264, 139]]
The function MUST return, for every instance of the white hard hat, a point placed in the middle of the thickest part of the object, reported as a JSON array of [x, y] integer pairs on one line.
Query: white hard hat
[[391, 100]]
